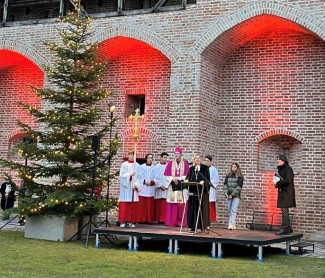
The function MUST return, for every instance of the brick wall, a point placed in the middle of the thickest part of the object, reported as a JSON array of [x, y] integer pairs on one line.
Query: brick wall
[[275, 80], [137, 68], [16, 73], [234, 79]]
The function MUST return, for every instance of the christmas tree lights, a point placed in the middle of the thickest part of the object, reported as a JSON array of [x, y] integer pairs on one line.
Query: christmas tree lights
[[57, 180]]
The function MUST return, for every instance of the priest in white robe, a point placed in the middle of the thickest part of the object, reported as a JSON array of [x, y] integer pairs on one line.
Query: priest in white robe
[[146, 208], [161, 189], [130, 174]]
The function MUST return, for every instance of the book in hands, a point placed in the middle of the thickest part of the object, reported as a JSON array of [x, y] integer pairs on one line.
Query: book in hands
[[275, 179]]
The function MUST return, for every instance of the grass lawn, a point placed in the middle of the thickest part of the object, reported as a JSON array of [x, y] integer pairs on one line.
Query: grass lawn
[[22, 257]]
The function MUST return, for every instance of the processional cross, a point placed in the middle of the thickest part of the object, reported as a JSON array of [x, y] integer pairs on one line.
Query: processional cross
[[136, 118]]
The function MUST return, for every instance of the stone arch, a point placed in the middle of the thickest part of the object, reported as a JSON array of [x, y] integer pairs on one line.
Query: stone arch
[[25, 50], [278, 131], [276, 8], [148, 37]]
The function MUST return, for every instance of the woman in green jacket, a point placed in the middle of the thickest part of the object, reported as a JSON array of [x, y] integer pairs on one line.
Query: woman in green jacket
[[232, 188]]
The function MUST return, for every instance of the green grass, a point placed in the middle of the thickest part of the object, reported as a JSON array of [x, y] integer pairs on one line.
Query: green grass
[[22, 257]]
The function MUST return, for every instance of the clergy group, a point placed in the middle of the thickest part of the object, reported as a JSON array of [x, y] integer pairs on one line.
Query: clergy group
[[172, 192]]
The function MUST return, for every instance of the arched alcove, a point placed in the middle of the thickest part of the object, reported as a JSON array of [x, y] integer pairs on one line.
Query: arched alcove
[[139, 76], [278, 144], [17, 73], [259, 76]]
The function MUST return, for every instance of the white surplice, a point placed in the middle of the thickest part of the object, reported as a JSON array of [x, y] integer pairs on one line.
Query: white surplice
[[127, 193]]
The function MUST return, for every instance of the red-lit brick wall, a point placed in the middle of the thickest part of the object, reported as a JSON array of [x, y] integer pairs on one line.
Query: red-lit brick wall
[[143, 70], [234, 79], [16, 73], [275, 80]]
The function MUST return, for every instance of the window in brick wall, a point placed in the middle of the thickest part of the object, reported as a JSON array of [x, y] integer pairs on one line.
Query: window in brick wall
[[133, 102]]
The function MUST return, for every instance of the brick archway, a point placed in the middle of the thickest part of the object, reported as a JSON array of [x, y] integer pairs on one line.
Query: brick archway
[[143, 131], [275, 8], [150, 38], [278, 131], [25, 50], [150, 142]]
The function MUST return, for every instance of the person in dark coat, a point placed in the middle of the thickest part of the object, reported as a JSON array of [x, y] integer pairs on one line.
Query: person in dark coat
[[286, 193], [199, 173], [7, 196]]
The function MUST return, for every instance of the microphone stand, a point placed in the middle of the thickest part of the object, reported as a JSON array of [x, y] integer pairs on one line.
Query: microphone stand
[[209, 182]]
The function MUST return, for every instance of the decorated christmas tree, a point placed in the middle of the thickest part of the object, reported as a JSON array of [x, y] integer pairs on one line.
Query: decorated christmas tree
[[66, 171]]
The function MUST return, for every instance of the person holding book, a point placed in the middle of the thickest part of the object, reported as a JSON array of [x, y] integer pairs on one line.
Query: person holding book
[[233, 185], [286, 192]]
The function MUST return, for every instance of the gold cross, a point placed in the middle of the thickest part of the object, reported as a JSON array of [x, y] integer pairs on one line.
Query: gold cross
[[136, 118]]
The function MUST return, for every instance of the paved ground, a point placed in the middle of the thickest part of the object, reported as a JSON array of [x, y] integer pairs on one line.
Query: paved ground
[[319, 246]]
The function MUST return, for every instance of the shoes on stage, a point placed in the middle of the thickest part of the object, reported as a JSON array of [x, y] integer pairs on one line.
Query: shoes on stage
[[122, 225], [130, 225]]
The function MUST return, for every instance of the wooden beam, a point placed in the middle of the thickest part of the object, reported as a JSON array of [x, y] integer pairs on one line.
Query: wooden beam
[[29, 3], [81, 7], [120, 5], [158, 5], [5, 12], [61, 11]]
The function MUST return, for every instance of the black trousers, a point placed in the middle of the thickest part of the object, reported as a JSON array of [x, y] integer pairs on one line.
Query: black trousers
[[285, 218]]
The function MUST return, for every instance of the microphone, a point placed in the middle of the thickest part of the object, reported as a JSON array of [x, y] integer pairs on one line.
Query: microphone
[[209, 182]]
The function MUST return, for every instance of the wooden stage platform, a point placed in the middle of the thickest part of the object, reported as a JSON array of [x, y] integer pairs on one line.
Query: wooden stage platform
[[215, 236]]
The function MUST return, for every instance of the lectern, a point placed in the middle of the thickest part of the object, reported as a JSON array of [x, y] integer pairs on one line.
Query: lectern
[[199, 195]]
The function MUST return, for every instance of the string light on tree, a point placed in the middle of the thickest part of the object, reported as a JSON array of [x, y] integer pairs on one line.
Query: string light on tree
[[61, 151]]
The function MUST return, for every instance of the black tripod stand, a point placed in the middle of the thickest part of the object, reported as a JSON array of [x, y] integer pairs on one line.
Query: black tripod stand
[[106, 221], [209, 182], [90, 223]]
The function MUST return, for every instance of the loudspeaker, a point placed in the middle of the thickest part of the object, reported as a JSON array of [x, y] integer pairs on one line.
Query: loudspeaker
[[95, 143]]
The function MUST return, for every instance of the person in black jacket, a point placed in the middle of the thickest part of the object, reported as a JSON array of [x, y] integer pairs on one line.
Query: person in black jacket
[[286, 193], [199, 173], [7, 196]]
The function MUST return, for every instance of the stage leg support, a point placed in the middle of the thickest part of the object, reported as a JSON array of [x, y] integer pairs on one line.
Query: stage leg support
[[130, 243], [97, 241], [135, 243], [170, 247], [219, 251], [213, 250], [176, 247], [288, 248], [260, 253]]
